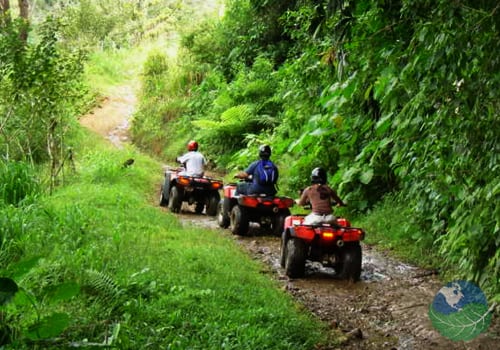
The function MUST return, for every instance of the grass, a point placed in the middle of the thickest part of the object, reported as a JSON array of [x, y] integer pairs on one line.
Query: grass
[[145, 280], [108, 69], [389, 227]]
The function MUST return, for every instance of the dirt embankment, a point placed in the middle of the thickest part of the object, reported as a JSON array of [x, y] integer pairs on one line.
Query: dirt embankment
[[387, 309]]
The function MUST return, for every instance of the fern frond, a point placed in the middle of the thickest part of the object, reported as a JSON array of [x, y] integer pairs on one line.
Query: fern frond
[[206, 124], [236, 115], [101, 286], [267, 120]]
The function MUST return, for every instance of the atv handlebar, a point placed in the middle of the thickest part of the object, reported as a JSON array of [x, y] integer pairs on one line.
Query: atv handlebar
[[243, 178]]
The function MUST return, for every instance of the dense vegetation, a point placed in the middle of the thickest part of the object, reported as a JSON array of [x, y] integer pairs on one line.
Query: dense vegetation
[[93, 262], [397, 99]]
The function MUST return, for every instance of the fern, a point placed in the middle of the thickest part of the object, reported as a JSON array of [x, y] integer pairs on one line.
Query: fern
[[207, 124], [232, 121], [237, 116], [101, 287]]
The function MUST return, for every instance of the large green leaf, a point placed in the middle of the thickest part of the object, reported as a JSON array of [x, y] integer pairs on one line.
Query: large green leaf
[[64, 291], [366, 176], [24, 266], [49, 327]]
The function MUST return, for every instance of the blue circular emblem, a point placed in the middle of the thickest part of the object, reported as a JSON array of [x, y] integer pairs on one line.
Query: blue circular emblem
[[459, 311]]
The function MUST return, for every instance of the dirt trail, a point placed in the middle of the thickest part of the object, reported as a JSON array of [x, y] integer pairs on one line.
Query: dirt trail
[[111, 118], [387, 309]]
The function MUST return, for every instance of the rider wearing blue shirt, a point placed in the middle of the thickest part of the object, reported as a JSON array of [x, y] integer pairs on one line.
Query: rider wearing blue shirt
[[250, 172]]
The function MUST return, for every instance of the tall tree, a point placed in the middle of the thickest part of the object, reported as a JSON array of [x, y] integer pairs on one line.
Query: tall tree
[[24, 12]]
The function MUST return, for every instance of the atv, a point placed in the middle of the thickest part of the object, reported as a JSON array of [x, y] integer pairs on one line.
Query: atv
[[203, 191], [236, 211], [333, 245]]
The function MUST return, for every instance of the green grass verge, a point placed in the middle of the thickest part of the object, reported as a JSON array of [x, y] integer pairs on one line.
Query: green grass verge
[[145, 281], [389, 227]]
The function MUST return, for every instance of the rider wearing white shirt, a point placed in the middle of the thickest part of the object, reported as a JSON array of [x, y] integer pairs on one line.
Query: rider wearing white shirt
[[194, 162]]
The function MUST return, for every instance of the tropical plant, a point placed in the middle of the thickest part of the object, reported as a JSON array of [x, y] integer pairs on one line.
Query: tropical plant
[[41, 88]]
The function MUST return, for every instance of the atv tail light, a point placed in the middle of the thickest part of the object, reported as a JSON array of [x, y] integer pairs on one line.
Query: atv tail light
[[216, 185], [304, 232], [183, 180], [354, 234], [249, 201], [327, 235]]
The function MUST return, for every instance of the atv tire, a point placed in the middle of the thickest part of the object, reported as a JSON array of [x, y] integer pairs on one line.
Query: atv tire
[[165, 191], [279, 222], [163, 200], [284, 240], [222, 215], [174, 200], [213, 202], [350, 259], [295, 258], [238, 221]]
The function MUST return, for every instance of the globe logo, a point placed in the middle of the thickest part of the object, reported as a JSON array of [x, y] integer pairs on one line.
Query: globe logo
[[460, 311]]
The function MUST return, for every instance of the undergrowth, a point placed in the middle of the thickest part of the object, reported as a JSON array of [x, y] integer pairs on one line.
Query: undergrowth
[[390, 226]]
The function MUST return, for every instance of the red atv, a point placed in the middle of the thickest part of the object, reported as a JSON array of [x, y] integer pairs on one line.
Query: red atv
[[336, 245], [200, 190], [236, 211]]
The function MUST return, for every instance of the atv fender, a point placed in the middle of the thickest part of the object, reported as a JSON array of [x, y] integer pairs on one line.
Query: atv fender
[[290, 232]]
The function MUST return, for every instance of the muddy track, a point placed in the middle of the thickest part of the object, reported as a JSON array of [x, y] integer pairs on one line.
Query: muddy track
[[387, 309]]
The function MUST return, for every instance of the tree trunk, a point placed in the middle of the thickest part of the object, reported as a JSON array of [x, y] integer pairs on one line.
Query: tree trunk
[[24, 13], [23, 8], [4, 5], [4, 12]]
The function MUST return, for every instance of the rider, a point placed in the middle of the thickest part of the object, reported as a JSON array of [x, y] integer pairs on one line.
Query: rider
[[250, 173], [319, 195], [194, 165], [194, 162]]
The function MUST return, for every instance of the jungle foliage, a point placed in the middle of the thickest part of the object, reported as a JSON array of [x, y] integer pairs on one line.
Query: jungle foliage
[[394, 98], [40, 94], [94, 263]]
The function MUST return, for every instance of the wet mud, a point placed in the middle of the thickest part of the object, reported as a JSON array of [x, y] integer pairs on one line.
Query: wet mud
[[386, 309]]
